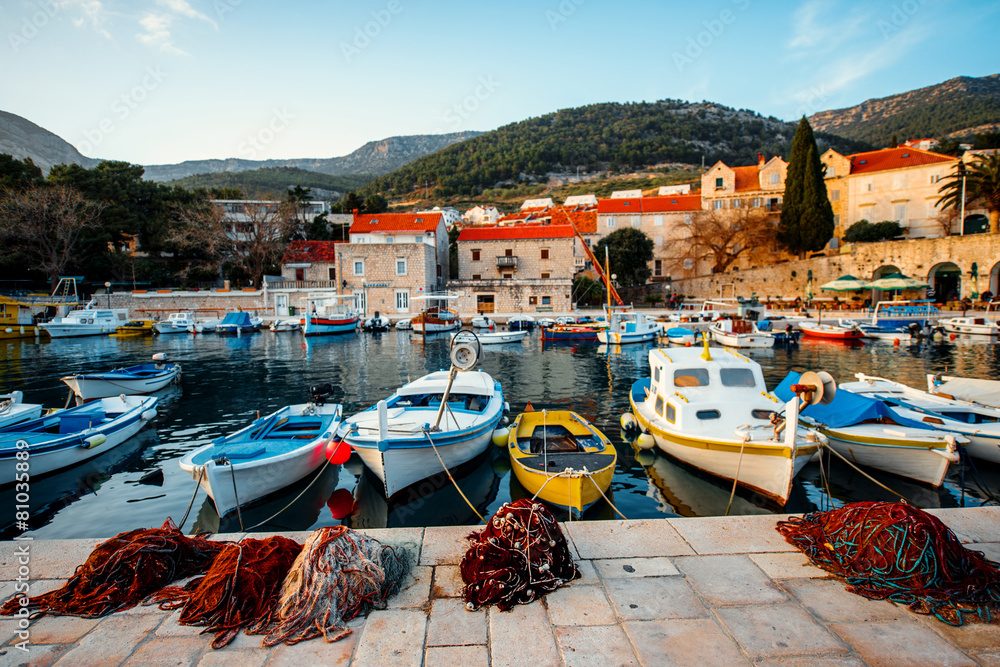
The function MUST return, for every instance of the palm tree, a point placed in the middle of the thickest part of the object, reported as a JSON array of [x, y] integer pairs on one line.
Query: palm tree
[[981, 181]]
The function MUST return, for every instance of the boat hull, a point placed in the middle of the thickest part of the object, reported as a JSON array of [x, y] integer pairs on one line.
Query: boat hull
[[114, 383], [323, 326], [925, 461], [742, 339], [569, 333], [830, 333]]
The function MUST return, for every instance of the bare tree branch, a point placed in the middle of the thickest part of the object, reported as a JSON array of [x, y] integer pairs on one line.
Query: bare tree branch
[[722, 236]]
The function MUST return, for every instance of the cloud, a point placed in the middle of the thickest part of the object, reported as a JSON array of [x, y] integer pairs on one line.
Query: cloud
[[823, 25], [93, 15], [182, 8], [157, 33]]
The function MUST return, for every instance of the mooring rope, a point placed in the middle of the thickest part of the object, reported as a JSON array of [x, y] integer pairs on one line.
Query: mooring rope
[[301, 493], [870, 478], [457, 488], [197, 485], [736, 477], [239, 513]]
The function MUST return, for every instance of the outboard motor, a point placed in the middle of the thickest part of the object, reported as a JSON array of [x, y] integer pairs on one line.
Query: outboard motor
[[914, 330], [319, 393]]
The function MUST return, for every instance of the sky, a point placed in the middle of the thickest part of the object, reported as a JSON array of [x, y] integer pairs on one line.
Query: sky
[[162, 81]]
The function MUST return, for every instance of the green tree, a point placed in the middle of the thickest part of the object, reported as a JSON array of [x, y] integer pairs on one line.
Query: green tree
[[376, 203], [806, 215], [981, 179], [453, 252], [18, 174], [863, 231], [629, 251], [587, 291], [298, 197]]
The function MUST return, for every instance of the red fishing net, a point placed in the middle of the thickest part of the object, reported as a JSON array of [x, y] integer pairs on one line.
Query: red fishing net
[[340, 574], [893, 551], [123, 571], [238, 591], [520, 555]]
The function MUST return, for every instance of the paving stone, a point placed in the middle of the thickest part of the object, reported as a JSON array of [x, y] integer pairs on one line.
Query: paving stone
[[971, 524], [728, 580], [451, 624], [844, 660], [113, 640], [971, 635], [654, 598], [830, 601], [410, 539], [777, 630], [35, 588], [392, 637], [588, 575], [788, 566], [447, 582], [683, 642], [416, 589], [444, 545], [59, 629], [987, 659], [989, 549], [899, 643], [630, 568], [315, 652], [595, 646], [579, 605], [170, 627], [508, 647], [173, 652], [645, 538], [248, 657], [41, 655], [733, 534], [48, 559], [452, 656]]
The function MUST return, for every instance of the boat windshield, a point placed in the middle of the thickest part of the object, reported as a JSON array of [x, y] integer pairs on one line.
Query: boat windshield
[[737, 377], [691, 377], [472, 402]]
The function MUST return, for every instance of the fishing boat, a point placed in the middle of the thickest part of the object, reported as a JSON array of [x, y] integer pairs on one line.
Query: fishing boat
[[546, 322], [980, 424], [376, 323], [495, 337], [135, 328], [742, 332], [204, 326], [91, 320], [625, 325], [558, 456], [270, 454], [21, 312], [331, 314], [973, 390], [572, 332], [404, 325], [141, 379], [483, 322], [438, 316], [66, 438], [285, 325], [238, 323], [174, 324], [830, 331], [430, 425], [18, 319], [711, 409], [681, 336], [521, 323], [977, 325], [869, 432], [13, 409]]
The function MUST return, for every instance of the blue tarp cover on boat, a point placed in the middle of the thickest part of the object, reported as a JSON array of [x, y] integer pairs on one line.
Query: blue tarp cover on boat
[[240, 319], [846, 408]]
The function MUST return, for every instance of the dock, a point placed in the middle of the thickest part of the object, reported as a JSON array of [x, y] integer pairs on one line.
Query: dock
[[684, 591]]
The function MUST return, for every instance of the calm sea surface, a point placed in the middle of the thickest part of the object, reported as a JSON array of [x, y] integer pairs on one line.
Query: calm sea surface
[[227, 381]]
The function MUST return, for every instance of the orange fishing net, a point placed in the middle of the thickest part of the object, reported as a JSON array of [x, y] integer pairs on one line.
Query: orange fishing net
[[123, 571], [520, 555]]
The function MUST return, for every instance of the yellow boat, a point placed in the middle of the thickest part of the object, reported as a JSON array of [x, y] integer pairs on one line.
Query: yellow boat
[[559, 457], [135, 328]]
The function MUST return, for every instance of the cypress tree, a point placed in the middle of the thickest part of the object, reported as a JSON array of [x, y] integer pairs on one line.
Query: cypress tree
[[806, 215]]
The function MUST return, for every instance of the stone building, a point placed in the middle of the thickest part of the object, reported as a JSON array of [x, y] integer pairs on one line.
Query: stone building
[[481, 215], [756, 186]]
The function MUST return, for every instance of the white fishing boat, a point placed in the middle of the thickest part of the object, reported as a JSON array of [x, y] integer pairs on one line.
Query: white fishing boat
[[681, 336], [980, 424], [404, 325], [131, 381], [266, 456], [741, 333], [625, 325], [868, 432], [285, 325], [483, 322], [711, 409], [204, 326], [974, 390], [493, 337], [376, 323], [13, 409], [434, 423], [977, 325], [438, 316], [66, 438], [175, 323], [331, 314], [91, 320]]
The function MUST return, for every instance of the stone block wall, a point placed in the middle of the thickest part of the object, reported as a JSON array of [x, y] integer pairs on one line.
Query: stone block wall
[[530, 265], [514, 296]]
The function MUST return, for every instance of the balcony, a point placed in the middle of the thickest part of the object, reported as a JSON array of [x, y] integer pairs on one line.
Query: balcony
[[506, 262]]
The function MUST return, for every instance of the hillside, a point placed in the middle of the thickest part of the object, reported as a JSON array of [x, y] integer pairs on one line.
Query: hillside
[[958, 107], [277, 180], [23, 139], [615, 137], [375, 157]]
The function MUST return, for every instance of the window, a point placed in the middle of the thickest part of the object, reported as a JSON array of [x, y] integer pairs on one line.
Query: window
[[688, 218], [656, 375], [657, 241], [719, 204], [935, 178], [870, 185], [635, 221], [762, 414], [400, 267], [611, 221], [736, 377], [691, 377], [475, 255], [389, 239], [834, 195], [545, 253], [477, 276], [507, 276], [300, 274], [829, 172], [659, 405], [718, 183], [508, 252], [546, 275], [658, 221], [671, 413], [775, 178], [708, 414], [657, 268], [332, 273], [402, 301], [359, 267], [532, 300], [836, 219], [737, 203], [546, 300], [899, 212]]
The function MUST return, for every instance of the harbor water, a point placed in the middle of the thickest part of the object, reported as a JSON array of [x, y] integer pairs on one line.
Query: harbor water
[[228, 381]]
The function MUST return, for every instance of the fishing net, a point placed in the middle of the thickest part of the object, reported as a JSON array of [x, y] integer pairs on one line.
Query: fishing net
[[519, 556], [123, 571], [340, 574], [239, 590], [893, 551]]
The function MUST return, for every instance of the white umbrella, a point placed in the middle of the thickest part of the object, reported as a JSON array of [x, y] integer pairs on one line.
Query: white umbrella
[[846, 283], [897, 281]]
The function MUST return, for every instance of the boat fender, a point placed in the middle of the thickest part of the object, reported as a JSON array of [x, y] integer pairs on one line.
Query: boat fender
[[500, 437], [645, 441], [8, 330], [147, 415], [628, 421], [95, 440]]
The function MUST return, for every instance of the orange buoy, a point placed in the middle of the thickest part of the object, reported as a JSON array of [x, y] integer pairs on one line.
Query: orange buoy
[[337, 452]]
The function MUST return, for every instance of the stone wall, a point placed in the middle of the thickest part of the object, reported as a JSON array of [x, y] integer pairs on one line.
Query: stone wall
[[513, 296], [530, 265], [203, 303]]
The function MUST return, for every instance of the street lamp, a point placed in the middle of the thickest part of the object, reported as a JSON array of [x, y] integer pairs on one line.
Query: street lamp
[[107, 288]]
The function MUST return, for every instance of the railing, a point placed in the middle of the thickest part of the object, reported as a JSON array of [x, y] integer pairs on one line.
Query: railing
[[301, 284], [506, 261]]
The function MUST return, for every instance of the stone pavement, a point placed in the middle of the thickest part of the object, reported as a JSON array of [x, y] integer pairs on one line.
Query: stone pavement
[[709, 591]]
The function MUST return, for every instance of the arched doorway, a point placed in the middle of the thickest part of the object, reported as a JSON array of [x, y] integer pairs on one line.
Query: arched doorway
[[881, 272], [946, 281], [976, 224], [993, 277]]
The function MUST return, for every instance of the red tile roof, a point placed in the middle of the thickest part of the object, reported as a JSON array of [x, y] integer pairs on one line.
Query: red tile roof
[[620, 205], [664, 204], [395, 222], [516, 232], [747, 178], [310, 251], [894, 158], [585, 219]]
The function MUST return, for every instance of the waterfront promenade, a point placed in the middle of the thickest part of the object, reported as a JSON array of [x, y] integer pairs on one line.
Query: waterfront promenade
[[702, 591]]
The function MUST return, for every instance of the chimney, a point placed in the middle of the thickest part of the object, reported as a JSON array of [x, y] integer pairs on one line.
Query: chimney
[[760, 159]]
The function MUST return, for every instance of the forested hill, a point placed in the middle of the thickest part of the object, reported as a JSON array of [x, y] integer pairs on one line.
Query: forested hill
[[276, 180], [962, 106], [597, 137]]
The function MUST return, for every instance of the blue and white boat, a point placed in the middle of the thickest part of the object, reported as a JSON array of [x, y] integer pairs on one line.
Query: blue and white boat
[[682, 336], [521, 323], [238, 323], [13, 409], [66, 438], [266, 456], [401, 438], [330, 314], [625, 325], [141, 379]]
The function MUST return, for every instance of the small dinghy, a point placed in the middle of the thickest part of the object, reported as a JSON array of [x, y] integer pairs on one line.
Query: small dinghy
[[14, 410], [268, 455], [238, 323], [493, 337], [135, 328], [682, 336], [558, 456], [285, 325], [141, 379], [376, 323]]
